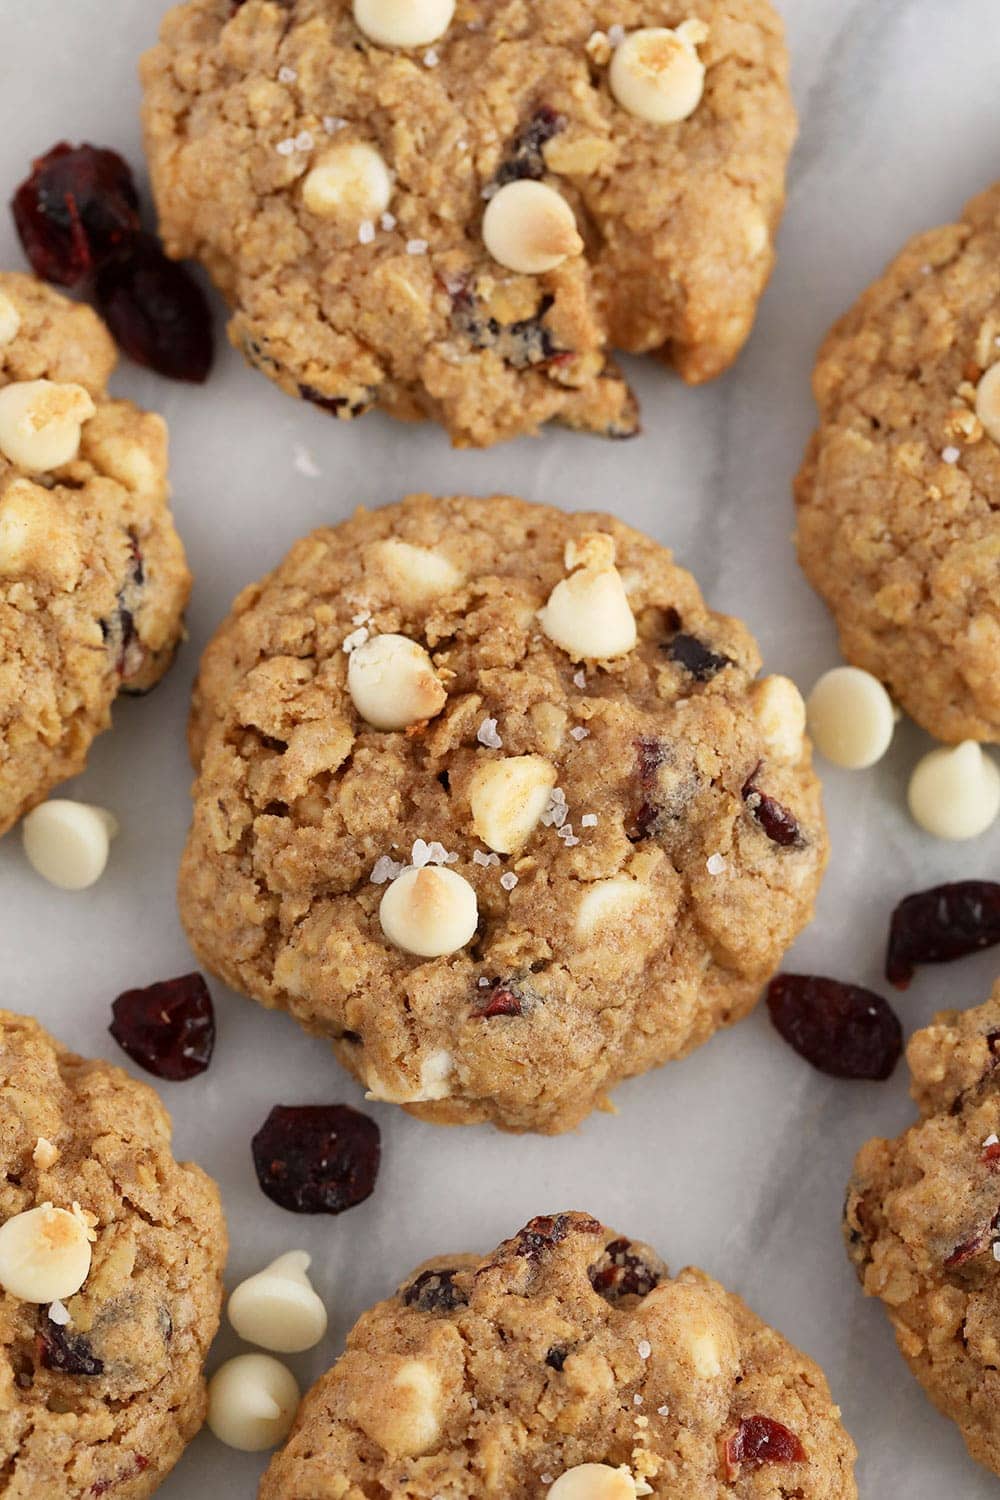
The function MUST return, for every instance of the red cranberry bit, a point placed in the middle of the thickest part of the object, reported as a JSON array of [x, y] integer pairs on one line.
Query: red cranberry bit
[[435, 1291], [937, 925], [842, 1029], [156, 311], [649, 755], [622, 1273], [167, 1028], [780, 825], [991, 1156], [556, 1357], [69, 1353], [139, 1466], [526, 158], [504, 997], [543, 1233], [695, 657], [973, 1246], [317, 1158], [75, 210], [761, 1440]]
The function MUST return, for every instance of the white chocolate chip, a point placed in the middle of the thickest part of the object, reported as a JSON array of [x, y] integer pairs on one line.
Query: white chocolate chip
[[40, 423], [405, 1420], [704, 1352], [988, 402], [45, 1154], [415, 575], [588, 613], [955, 791], [594, 1482], [278, 1308], [10, 320], [530, 228], [429, 912], [435, 1075], [44, 1254], [851, 718], [393, 684], [780, 715], [656, 74], [508, 797], [403, 23], [252, 1401], [68, 842], [607, 901], [37, 536], [350, 182]]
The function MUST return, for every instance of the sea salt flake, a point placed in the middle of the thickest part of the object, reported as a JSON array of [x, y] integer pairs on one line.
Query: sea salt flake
[[992, 1140], [287, 75], [616, 35], [556, 812], [420, 854], [996, 1249], [508, 880], [637, 1399], [304, 141], [490, 191], [333, 123], [644, 1348], [355, 639], [388, 222], [546, 1479], [366, 232], [482, 982], [385, 868], [487, 735], [715, 864], [663, 1411], [580, 679], [951, 454], [416, 247], [481, 858], [431, 58], [305, 463], [589, 820], [578, 732], [437, 854], [286, 147], [58, 1313]]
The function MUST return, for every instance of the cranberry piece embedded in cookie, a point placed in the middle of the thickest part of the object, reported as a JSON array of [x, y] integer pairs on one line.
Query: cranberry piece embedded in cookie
[[695, 657], [779, 824], [157, 312], [317, 1158], [937, 925], [138, 1466], [167, 1028], [505, 997], [621, 1273], [761, 1440], [524, 344], [525, 157], [435, 1291], [78, 207], [69, 1353], [842, 1029]]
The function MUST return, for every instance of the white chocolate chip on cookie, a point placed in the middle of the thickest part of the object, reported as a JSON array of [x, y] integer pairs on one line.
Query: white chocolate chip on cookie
[[429, 912], [607, 901], [656, 74], [530, 228], [393, 684], [954, 792], [44, 1254], [508, 797], [594, 1482], [403, 23], [68, 842], [781, 717], [252, 1401], [406, 1419], [40, 423], [10, 320], [351, 182], [851, 718], [988, 402], [37, 536], [278, 1308], [588, 613], [414, 575]]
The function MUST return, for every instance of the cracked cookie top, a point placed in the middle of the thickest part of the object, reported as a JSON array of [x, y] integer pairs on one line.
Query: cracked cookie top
[[463, 230], [487, 796]]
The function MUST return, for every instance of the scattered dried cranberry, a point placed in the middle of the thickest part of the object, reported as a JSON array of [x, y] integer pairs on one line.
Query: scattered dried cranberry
[[622, 1273], [525, 158], [937, 925], [556, 1357], [75, 210], [317, 1158], [649, 757], [545, 1231], [435, 1291], [761, 1440], [139, 1466], [156, 311], [780, 825], [167, 1028], [991, 1155], [504, 997], [523, 344], [973, 1246], [695, 657], [842, 1029], [69, 1353]]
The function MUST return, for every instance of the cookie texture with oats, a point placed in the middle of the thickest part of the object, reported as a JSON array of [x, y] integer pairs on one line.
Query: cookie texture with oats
[[922, 1221], [568, 1345], [678, 220], [899, 494], [93, 580], [104, 1401], [678, 858]]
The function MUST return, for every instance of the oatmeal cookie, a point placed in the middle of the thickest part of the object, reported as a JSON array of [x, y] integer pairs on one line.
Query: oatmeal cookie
[[899, 495], [568, 1362], [342, 194], [93, 580], [922, 1222], [487, 796], [102, 1387]]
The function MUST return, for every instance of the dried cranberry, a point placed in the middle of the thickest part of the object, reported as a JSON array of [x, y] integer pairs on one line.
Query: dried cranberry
[[991, 1155], [695, 657], [523, 344], [156, 311], [556, 1357], [622, 1273], [937, 925], [761, 1440], [75, 210], [973, 1246], [167, 1028], [780, 825], [545, 1231], [317, 1158], [649, 756], [69, 1353], [525, 157], [842, 1029], [505, 997], [138, 1466], [435, 1291]]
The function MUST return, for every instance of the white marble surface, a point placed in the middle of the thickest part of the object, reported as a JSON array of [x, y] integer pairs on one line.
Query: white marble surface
[[737, 1158]]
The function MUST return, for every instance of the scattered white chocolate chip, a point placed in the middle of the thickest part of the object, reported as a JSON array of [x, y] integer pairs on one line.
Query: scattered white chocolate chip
[[350, 182], [780, 715], [393, 684], [704, 1352], [606, 901], [10, 320], [44, 1254], [850, 717], [252, 1401], [530, 228], [588, 614], [429, 912], [45, 1154], [508, 798], [594, 1482], [435, 1075], [68, 842], [278, 1308], [415, 575], [405, 1420], [403, 23], [955, 791], [656, 74], [987, 398], [40, 423]]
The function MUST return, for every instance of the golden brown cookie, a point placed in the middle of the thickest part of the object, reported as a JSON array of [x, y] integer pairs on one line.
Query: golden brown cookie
[[922, 1222], [102, 1389], [488, 797], [360, 279], [899, 495], [568, 1346], [93, 580]]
